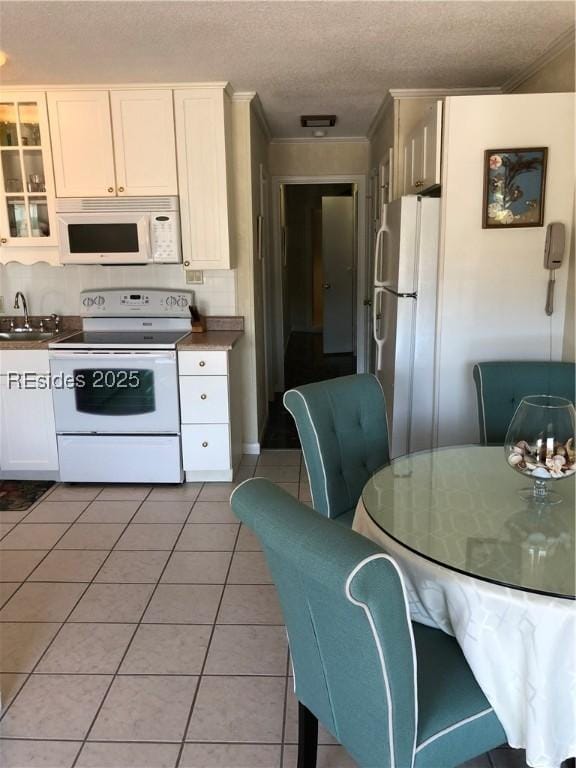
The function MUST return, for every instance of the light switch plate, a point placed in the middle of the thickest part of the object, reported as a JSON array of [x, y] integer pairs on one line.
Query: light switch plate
[[194, 276]]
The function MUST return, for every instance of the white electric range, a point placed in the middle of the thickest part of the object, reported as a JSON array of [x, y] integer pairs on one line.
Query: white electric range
[[115, 387]]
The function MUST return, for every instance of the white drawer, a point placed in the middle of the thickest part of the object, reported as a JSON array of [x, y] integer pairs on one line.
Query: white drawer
[[205, 446], [204, 399], [203, 363], [22, 360]]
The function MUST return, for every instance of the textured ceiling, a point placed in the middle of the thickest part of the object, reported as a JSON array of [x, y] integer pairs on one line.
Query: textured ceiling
[[301, 57]]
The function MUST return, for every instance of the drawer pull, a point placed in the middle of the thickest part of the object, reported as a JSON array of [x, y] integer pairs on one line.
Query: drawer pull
[[204, 444], [203, 397], [201, 363]]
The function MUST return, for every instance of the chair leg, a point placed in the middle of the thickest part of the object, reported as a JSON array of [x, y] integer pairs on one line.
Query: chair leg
[[307, 737]]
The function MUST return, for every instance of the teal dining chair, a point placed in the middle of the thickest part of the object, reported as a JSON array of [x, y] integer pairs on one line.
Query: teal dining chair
[[394, 693], [343, 431], [500, 386]]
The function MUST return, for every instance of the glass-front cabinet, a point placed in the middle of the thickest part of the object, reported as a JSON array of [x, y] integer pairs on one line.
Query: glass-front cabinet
[[27, 187]]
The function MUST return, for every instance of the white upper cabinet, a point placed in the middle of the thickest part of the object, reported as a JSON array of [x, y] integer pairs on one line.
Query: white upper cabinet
[[422, 152], [109, 143], [144, 144], [82, 143], [26, 181], [202, 124]]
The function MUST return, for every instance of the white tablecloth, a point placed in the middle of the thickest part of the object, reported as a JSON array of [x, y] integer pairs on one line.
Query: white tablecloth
[[520, 646]]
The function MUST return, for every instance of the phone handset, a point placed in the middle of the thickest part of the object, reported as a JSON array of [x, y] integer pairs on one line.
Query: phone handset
[[553, 257]]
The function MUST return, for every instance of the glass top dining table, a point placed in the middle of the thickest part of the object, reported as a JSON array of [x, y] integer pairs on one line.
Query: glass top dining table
[[459, 507]]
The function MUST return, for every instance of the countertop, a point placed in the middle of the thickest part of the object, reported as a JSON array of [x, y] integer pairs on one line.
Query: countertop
[[222, 334], [209, 341], [23, 344]]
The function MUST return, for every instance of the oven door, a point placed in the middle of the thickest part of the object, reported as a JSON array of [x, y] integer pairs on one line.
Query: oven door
[[104, 238], [115, 392]]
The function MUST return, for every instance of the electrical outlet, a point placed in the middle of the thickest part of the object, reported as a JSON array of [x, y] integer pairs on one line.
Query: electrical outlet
[[1, 303], [194, 276]]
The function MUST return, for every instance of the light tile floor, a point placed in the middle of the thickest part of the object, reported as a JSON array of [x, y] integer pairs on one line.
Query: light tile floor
[[139, 629]]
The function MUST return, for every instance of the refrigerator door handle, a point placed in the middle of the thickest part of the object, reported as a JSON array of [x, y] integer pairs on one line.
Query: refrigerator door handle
[[375, 318], [378, 255], [412, 295]]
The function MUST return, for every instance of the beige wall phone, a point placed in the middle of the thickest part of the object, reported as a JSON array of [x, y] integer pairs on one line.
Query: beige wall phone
[[553, 257]]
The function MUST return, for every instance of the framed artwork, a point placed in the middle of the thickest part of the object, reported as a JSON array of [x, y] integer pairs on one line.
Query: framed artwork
[[514, 185]]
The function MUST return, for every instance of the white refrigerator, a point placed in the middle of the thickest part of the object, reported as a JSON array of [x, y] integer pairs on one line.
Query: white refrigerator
[[404, 318]]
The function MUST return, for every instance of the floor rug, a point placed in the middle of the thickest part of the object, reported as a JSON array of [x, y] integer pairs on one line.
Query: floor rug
[[17, 495]]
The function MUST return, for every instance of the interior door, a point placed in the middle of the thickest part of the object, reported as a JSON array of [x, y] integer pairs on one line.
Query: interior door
[[338, 266]]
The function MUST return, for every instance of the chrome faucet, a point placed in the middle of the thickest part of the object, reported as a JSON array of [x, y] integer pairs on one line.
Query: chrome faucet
[[20, 295]]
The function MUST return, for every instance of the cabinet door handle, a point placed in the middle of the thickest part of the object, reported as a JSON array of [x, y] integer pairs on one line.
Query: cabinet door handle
[[3, 240], [201, 363], [120, 189], [203, 397], [204, 444], [110, 189]]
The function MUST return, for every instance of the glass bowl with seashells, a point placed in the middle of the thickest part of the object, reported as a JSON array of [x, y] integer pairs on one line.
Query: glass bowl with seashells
[[540, 444]]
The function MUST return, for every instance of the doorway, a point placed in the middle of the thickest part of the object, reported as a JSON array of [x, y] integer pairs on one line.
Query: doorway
[[316, 291]]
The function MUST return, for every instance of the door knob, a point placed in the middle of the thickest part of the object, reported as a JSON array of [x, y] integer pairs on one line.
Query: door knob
[[3, 240], [120, 189], [110, 189], [326, 286]]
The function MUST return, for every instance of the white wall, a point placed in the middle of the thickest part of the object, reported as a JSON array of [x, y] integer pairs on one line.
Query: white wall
[[492, 282], [57, 289], [319, 158], [557, 76]]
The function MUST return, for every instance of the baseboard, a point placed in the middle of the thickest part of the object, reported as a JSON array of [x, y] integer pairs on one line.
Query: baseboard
[[210, 476], [30, 475], [253, 449]]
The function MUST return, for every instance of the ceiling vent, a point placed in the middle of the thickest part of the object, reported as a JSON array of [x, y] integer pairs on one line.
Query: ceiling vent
[[318, 121]]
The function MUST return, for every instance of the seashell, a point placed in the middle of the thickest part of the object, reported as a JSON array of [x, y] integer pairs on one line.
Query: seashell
[[531, 466], [556, 474], [541, 472], [558, 460], [515, 459], [521, 447]]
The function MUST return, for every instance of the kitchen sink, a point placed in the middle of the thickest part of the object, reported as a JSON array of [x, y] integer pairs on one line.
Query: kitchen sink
[[26, 335]]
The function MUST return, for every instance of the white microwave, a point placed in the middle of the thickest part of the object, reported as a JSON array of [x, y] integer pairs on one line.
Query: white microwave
[[120, 230]]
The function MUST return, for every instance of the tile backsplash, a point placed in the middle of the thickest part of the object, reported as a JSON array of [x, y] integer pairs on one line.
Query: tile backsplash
[[56, 289]]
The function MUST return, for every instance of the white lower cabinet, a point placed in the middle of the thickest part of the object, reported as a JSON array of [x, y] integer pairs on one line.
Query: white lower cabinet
[[27, 429], [210, 434]]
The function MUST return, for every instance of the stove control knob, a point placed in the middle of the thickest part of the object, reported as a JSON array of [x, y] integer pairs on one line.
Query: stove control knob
[[182, 301], [99, 300], [87, 301], [170, 301]]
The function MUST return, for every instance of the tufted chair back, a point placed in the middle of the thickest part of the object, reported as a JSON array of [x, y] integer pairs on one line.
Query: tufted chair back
[[500, 386], [344, 435]]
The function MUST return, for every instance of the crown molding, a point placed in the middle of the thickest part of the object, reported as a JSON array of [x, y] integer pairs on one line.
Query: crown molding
[[386, 102], [219, 85], [321, 140], [428, 93], [395, 94], [562, 43], [256, 105]]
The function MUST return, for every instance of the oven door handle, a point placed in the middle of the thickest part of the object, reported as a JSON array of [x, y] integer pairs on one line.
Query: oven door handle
[[112, 355]]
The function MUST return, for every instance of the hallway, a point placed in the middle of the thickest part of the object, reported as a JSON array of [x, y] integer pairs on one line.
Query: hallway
[[304, 363]]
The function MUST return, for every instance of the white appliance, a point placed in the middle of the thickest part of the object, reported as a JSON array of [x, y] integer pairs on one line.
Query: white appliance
[[404, 318], [115, 387], [120, 230]]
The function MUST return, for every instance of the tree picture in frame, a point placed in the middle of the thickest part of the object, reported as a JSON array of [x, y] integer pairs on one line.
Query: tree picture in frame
[[514, 185]]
